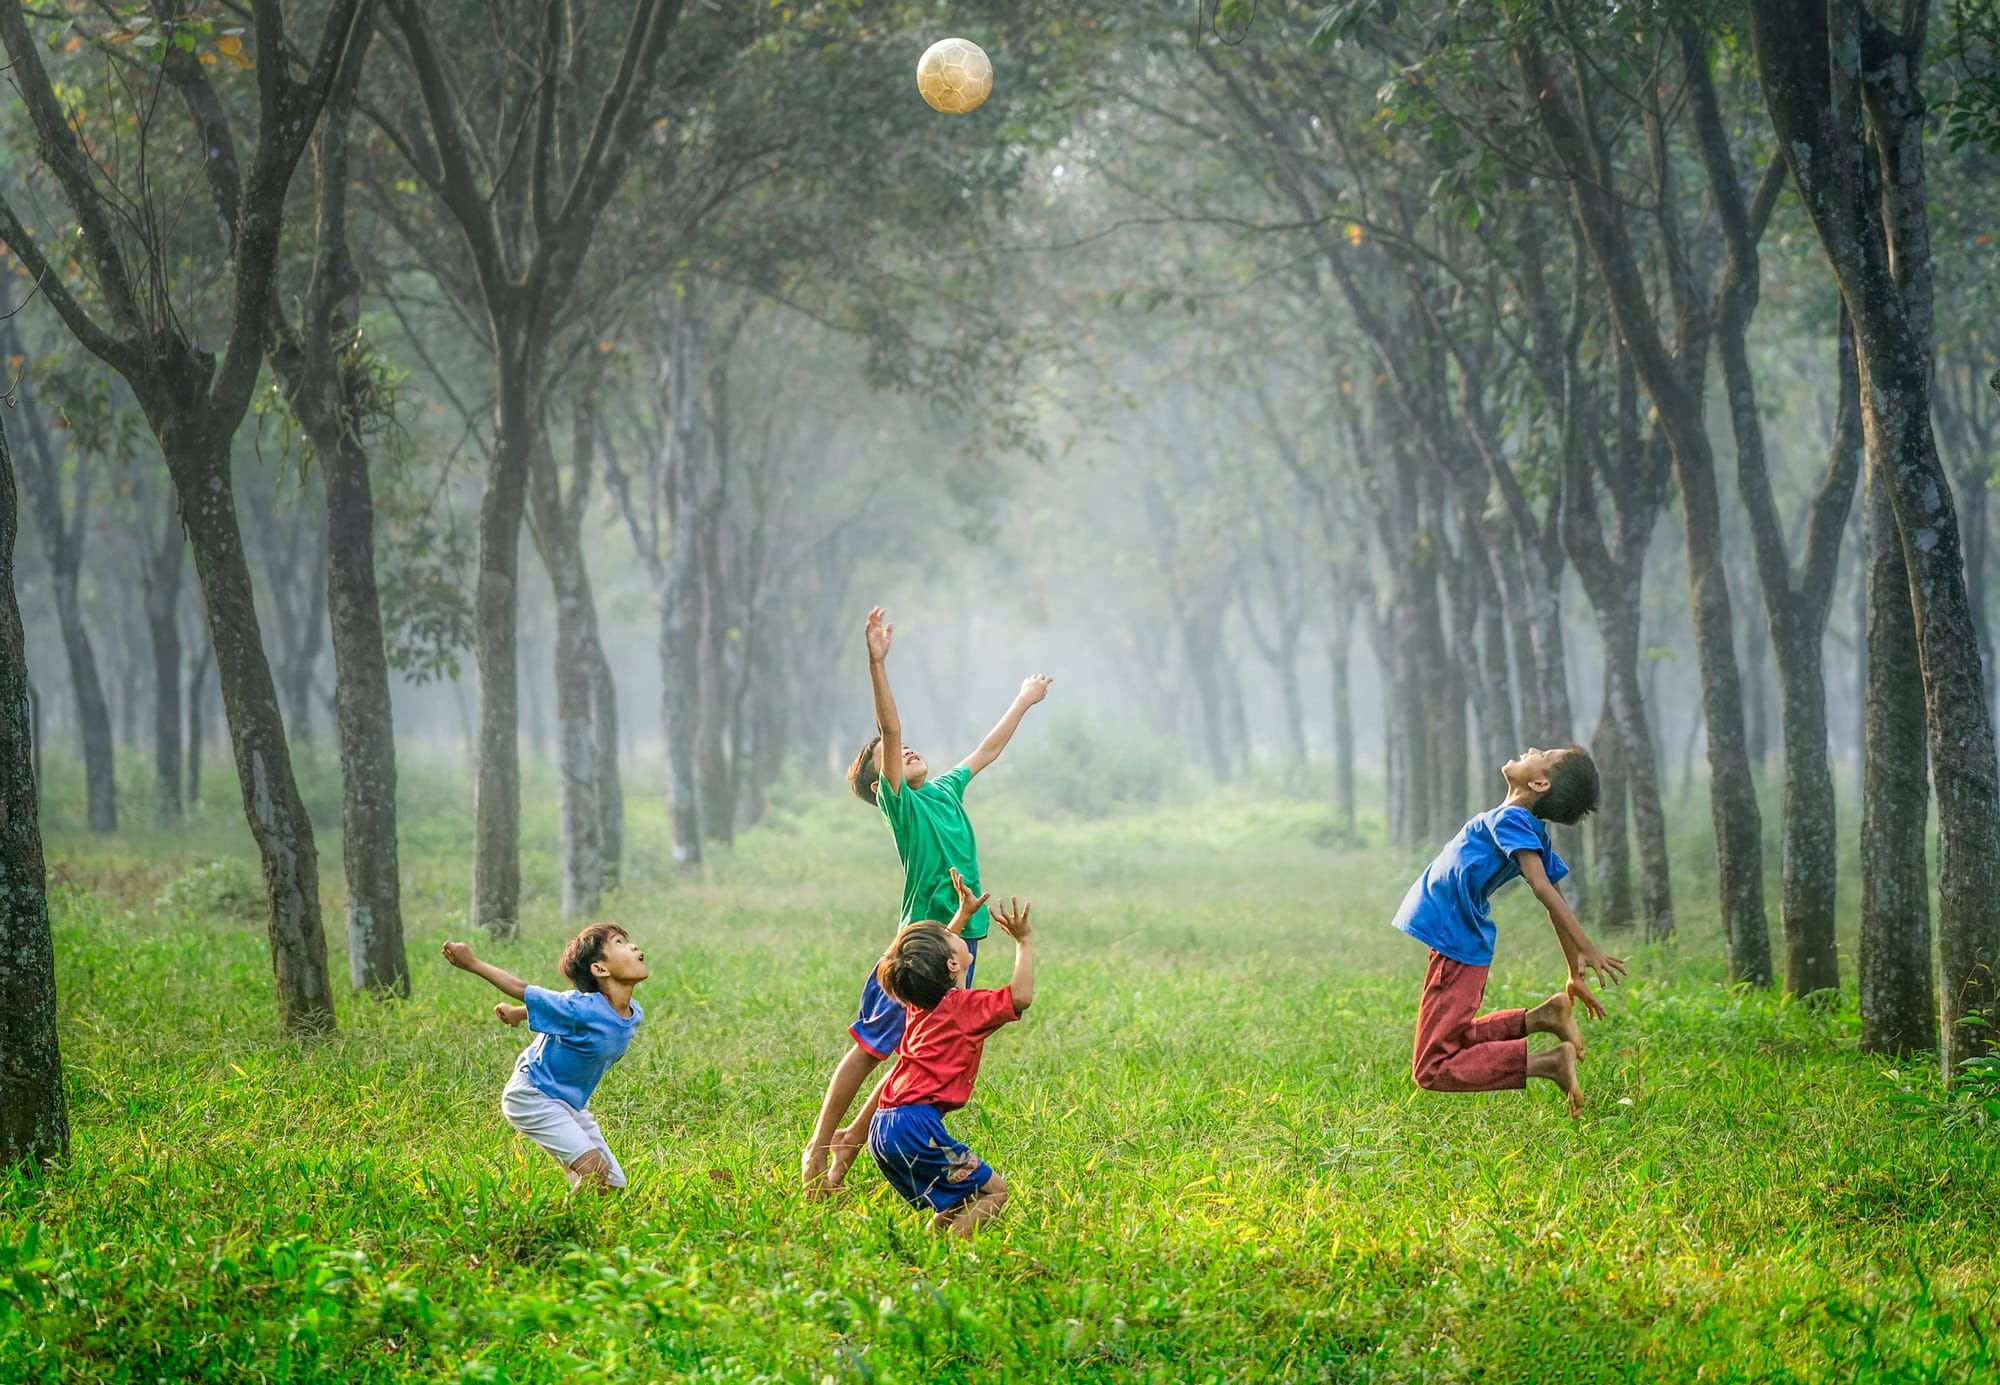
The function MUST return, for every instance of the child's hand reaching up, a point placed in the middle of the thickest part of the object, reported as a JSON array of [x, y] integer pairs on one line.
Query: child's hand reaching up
[[878, 636], [967, 904], [1014, 919], [1035, 687]]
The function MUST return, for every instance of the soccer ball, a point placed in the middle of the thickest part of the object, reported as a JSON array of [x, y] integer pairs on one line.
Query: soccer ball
[[954, 75]]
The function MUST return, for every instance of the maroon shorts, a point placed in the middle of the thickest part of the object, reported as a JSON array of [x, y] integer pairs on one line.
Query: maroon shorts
[[1456, 1052]]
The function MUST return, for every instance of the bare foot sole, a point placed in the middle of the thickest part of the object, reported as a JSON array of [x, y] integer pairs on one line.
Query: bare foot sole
[[1562, 1021], [1563, 1057]]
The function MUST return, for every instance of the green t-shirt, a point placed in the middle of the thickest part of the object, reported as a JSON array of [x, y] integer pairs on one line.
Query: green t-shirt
[[933, 835]]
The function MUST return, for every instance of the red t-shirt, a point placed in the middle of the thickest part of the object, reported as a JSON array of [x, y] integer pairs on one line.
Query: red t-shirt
[[939, 1055]]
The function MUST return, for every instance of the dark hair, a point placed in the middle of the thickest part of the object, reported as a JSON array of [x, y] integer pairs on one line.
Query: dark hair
[[584, 949], [862, 774], [1573, 788], [917, 967]]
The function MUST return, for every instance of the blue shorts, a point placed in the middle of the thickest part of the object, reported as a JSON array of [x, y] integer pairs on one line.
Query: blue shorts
[[922, 1161], [878, 1020]]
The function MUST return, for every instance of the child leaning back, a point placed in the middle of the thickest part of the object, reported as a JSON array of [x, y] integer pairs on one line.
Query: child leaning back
[[1447, 910]]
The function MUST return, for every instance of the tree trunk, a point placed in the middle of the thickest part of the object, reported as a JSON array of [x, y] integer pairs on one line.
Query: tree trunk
[[197, 719], [1611, 857], [610, 784], [163, 599], [376, 957], [578, 661], [277, 817], [62, 545], [1339, 652], [34, 1124], [718, 807], [1638, 764], [496, 793], [1898, 1006]]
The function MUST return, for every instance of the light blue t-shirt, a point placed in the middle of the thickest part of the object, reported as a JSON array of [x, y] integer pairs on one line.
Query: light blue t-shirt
[[1447, 906], [579, 1037]]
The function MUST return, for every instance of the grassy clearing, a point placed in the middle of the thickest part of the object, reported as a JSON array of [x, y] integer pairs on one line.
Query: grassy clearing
[[1222, 1168]]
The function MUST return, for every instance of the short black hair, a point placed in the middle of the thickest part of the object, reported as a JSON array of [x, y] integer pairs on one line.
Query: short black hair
[[1573, 788], [917, 967], [586, 948], [862, 774]]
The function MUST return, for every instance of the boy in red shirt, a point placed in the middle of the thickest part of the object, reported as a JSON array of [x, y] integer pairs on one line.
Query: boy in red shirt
[[926, 968]]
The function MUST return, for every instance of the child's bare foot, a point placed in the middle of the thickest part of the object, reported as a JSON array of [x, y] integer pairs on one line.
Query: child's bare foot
[[945, 1223], [846, 1149], [1557, 1016], [812, 1171], [1561, 1070]]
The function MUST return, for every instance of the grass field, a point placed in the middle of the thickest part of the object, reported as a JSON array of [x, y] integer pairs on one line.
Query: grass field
[[1221, 1168]]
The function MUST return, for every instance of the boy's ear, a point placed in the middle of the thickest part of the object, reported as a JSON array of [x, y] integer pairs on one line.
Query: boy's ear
[[600, 968]]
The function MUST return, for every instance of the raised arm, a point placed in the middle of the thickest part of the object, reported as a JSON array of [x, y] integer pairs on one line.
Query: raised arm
[[1585, 958], [887, 724], [1033, 690], [1014, 919], [460, 956], [968, 903]]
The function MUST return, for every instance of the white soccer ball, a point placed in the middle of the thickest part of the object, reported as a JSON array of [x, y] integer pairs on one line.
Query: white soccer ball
[[954, 75]]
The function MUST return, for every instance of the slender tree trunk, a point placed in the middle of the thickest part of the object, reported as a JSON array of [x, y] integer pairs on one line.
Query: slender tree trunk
[[278, 821], [1339, 657], [1639, 767], [163, 599], [578, 659], [197, 718], [718, 810], [610, 785], [62, 546], [311, 640], [1898, 1001], [34, 1124], [1611, 857], [376, 957], [496, 793]]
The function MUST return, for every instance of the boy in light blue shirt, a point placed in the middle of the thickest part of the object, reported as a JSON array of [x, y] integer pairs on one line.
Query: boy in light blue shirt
[[579, 1034], [1458, 1050]]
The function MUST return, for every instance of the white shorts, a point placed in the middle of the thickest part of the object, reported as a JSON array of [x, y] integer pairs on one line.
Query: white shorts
[[564, 1131]]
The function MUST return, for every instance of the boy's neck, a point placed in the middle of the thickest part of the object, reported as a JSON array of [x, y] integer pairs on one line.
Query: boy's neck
[[619, 993], [1520, 798]]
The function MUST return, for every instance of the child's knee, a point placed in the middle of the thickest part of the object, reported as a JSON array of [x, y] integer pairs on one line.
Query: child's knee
[[995, 1189], [1426, 1070]]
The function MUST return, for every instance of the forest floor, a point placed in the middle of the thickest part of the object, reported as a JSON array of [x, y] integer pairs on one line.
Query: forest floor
[[1221, 1167]]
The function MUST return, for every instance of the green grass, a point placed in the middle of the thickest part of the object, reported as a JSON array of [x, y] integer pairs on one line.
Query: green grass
[[1222, 1170]]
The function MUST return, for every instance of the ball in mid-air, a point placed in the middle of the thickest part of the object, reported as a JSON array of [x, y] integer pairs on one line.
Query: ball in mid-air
[[954, 75]]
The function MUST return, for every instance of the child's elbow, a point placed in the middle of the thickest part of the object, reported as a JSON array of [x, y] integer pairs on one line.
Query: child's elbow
[[1022, 1001]]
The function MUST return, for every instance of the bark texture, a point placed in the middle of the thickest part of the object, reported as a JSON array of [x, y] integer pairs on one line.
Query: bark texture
[[34, 1123]]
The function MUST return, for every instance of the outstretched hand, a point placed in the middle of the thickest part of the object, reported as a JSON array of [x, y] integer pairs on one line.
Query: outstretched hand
[[1581, 994], [1598, 966], [1035, 687], [968, 904], [878, 635], [459, 955], [1014, 919]]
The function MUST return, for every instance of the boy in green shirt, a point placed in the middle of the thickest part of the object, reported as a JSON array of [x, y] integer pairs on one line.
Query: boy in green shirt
[[933, 839]]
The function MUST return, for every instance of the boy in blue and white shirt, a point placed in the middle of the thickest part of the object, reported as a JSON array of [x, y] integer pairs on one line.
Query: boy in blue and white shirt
[[579, 1034]]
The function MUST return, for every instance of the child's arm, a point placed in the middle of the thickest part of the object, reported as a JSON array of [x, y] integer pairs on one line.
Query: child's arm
[[967, 904], [1014, 919], [887, 723], [512, 1016], [460, 956], [1033, 690], [1585, 958]]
